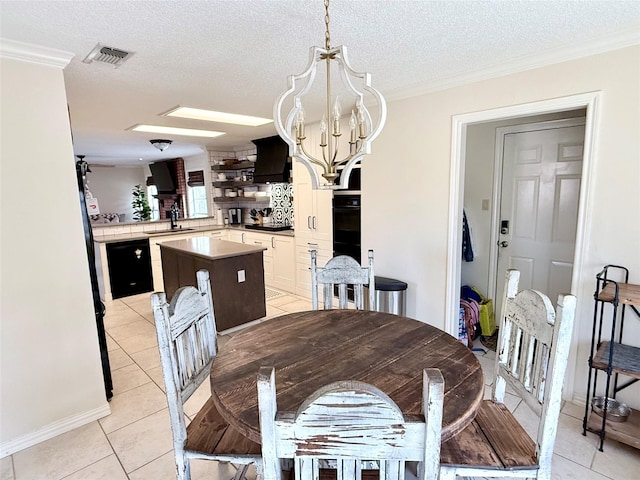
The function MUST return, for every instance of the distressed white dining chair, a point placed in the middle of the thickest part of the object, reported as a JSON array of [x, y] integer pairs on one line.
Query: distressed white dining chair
[[533, 349], [342, 271], [186, 332], [350, 423]]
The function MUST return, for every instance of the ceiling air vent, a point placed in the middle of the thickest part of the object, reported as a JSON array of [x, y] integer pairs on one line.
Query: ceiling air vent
[[109, 55]]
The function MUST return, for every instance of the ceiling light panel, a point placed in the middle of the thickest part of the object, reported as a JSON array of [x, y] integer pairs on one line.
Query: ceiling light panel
[[212, 116], [189, 132]]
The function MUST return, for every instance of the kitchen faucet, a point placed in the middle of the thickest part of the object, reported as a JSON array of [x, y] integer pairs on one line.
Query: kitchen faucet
[[173, 216]]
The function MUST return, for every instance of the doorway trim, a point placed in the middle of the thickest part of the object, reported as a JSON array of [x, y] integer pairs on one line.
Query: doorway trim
[[591, 102]]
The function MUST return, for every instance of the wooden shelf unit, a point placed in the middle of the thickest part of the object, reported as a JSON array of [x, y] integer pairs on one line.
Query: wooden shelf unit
[[234, 166], [612, 356], [265, 199]]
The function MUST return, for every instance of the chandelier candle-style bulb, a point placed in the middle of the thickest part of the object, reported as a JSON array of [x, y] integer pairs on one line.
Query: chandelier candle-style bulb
[[300, 125], [335, 157], [361, 122], [337, 113], [323, 131]]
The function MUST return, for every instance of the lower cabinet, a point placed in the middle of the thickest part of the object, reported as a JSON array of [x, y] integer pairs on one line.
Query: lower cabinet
[[156, 259], [219, 234], [279, 257], [284, 267], [234, 302], [303, 263]]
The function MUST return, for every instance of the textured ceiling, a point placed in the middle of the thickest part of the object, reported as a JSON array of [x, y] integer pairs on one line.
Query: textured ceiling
[[235, 55]]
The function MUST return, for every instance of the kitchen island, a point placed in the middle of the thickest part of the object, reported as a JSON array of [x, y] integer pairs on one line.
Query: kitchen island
[[236, 272]]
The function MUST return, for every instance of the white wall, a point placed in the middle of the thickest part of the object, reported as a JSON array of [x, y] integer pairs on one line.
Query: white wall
[[50, 372], [405, 184], [113, 187]]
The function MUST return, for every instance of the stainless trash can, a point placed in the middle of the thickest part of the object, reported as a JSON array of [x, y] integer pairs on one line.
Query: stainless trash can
[[390, 295]]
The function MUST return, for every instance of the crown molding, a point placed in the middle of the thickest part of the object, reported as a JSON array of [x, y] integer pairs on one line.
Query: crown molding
[[624, 39], [27, 52]]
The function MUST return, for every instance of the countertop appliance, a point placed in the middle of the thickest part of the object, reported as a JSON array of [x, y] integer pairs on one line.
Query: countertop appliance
[[129, 268], [235, 216]]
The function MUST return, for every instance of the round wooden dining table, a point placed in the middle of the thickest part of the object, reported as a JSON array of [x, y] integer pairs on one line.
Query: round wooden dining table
[[314, 348]]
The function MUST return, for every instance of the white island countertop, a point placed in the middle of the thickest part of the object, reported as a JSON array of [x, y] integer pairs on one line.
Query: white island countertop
[[211, 248]]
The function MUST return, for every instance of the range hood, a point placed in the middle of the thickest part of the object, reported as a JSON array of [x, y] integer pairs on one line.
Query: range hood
[[272, 163]]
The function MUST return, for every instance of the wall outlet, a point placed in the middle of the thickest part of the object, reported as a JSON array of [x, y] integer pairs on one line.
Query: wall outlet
[[485, 204], [241, 276]]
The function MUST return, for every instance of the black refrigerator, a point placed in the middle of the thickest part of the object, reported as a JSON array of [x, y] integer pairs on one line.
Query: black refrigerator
[[98, 307]]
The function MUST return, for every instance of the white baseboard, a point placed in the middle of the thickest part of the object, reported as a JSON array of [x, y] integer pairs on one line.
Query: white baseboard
[[54, 429], [578, 399]]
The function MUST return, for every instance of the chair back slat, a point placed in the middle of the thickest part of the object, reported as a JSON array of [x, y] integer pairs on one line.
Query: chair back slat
[[351, 423], [532, 354], [342, 271], [186, 334]]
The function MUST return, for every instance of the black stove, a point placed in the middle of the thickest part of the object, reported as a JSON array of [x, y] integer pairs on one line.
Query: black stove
[[270, 227]]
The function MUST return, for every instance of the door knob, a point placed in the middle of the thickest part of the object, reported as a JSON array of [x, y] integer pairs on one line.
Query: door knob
[[503, 243]]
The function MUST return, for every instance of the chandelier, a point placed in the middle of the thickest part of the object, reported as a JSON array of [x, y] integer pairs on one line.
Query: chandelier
[[335, 156]]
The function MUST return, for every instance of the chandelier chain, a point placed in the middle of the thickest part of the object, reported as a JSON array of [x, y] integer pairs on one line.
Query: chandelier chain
[[327, 37]]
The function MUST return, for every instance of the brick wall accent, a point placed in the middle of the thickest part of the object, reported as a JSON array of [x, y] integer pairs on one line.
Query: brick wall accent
[[166, 201]]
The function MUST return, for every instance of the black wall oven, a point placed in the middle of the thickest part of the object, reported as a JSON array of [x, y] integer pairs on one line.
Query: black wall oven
[[346, 224], [346, 228]]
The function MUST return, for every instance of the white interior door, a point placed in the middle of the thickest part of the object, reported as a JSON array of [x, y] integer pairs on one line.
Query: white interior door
[[541, 176]]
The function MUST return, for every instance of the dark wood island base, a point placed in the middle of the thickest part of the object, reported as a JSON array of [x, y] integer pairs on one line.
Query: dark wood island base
[[236, 272]]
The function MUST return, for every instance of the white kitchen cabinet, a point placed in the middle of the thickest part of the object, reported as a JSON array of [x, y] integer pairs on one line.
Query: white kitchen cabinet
[[284, 266], [262, 240], [279, 261], [303, 263], [219, 234], [312, 208], [236, 236]]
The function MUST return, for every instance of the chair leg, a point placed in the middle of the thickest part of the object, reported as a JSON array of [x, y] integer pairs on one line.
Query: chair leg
[[241, 472]]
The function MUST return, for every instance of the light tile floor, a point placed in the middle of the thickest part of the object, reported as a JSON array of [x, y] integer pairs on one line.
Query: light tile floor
[[134, 442]]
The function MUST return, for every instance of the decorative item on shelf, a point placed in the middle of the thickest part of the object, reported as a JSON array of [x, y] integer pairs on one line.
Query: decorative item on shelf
[[363, 129], [161, 144], [258, 216]]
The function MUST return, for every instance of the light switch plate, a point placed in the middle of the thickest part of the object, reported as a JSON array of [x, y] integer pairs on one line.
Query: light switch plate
[[241, 276]]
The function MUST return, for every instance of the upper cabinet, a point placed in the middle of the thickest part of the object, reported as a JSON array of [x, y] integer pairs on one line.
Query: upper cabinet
[[312, 207]]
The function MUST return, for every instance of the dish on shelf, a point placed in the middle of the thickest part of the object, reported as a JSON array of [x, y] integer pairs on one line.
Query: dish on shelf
[[232, 194], [261, 194], [616, 411], [252, 158]]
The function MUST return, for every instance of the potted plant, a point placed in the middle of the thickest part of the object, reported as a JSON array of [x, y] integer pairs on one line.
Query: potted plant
[[141, 209]]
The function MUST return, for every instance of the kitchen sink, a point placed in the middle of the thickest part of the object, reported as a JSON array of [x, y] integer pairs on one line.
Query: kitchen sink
[[170, 232]]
